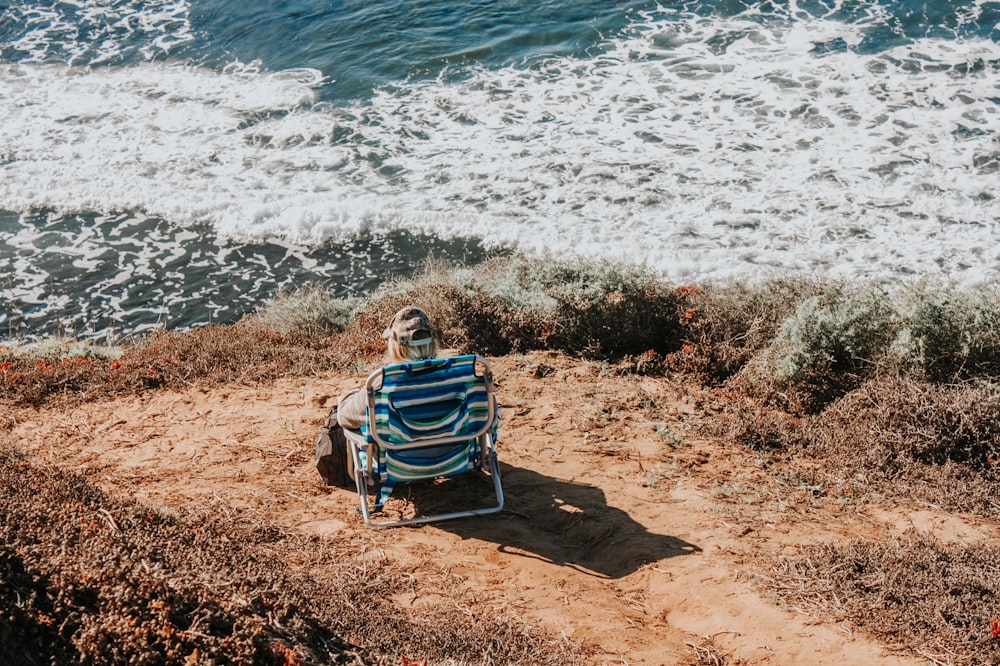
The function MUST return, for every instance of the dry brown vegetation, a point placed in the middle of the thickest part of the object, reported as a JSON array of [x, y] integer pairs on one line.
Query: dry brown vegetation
[[916, 594], [86, 578], [874, 395]]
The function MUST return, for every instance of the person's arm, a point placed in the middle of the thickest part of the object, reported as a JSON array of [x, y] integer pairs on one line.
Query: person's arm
[[351, 413]]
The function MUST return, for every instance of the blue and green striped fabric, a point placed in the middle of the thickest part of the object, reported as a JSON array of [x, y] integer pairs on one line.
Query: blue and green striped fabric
[[423, 401]]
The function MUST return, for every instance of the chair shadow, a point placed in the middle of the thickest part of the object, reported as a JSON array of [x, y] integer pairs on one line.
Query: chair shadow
[[562, 522]]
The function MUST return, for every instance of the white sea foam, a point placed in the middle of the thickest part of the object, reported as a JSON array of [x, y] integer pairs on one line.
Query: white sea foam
[[704, 147]]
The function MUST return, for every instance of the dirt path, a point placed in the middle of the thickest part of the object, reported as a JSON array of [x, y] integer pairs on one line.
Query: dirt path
[[623, 528]]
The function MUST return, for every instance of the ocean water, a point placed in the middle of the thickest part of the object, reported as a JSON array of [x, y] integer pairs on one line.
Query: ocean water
[[168, 163]]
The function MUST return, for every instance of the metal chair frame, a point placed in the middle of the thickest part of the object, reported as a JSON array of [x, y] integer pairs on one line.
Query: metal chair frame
[[364, 470]]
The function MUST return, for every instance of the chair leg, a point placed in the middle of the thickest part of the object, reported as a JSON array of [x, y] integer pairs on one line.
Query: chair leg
[[494, 470], [364, 477], [360, 480], [362, 472], [497, 485], [484, 452]]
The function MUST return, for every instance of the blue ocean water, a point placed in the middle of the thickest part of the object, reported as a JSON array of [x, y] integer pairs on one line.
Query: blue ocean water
[[176, 162]]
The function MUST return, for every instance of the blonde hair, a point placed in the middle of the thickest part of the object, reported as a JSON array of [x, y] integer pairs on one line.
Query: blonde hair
[[410, 336], [396, 352]]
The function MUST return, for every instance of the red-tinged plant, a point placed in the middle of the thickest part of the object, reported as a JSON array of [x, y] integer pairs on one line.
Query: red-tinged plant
[[687, 290], [290, 656]]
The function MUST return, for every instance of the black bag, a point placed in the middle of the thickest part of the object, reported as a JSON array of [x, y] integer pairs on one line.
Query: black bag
[[332, 454]]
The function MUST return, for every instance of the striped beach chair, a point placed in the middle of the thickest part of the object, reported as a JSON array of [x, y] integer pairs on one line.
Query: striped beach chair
[[426, 420]]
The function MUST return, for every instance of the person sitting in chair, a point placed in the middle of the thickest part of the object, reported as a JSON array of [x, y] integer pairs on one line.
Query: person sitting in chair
[[410, 336]]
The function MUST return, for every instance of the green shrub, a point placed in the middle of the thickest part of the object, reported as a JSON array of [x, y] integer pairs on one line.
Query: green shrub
[[950, 335], [466, 321], [310, 309], [592, 308], [731, 322], [829, 337], [829, 346], [618, 323]]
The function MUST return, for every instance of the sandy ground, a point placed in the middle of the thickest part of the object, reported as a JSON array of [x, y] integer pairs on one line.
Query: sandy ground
[[624, 528]]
